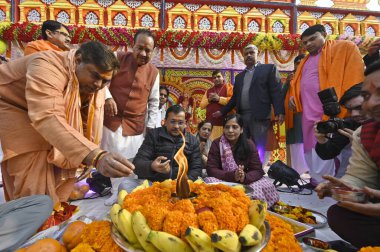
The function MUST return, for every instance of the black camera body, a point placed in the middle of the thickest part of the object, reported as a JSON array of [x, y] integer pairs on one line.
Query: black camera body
[[331, 108]]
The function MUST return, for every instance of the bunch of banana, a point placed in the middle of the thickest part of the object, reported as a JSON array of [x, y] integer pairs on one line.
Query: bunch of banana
[[257, 211], [122, 219]]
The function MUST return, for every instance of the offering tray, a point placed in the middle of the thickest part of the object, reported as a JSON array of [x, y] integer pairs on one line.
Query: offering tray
[[302, 213], [123, 243]]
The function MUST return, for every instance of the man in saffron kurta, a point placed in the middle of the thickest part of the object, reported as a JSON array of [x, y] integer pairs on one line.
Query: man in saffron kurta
[[330, 63], [55, 36], [213, 100], [51, 117], [134, 102]]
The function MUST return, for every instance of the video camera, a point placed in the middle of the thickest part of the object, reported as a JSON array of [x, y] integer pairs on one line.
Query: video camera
[[331, 108]]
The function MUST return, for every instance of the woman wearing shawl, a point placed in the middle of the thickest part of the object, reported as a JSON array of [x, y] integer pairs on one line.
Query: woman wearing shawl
[[234, 158]]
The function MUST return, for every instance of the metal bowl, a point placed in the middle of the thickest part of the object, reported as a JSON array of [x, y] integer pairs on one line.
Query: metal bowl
[[124, 244]]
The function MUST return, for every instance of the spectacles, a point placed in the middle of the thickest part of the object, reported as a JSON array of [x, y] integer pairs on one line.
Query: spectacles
[[66, 35], [164, 95], [179, 123]]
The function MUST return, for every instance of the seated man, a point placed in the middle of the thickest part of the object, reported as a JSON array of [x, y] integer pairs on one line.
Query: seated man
[[338, 145], [21, 218], [154, 160], [51, 119], [362, 172]]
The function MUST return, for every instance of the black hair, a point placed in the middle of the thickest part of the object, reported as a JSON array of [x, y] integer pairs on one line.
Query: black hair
[[299, 58], [313, 29], [351, 93], [145, 32], [200, 125], [375, 66], [242, 149], [175, 109], [164, 88], [215, 72], [94, 52], [51, 25]]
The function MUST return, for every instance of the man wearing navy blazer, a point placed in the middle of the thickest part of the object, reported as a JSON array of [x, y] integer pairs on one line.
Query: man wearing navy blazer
[[256, 89]]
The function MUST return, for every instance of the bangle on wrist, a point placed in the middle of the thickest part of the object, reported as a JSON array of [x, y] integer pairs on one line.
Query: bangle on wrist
[[98, 158]]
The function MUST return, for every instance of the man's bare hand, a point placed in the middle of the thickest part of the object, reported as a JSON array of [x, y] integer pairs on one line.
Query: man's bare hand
[[347, 133], [217, 114], [369, 209], [110, 107], [292, 104], [160, 165], [280, 118], [115, 165], [321, 138], [324, 189]]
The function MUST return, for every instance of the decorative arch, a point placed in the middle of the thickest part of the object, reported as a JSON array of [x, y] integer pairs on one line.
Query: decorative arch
[[63, 17]]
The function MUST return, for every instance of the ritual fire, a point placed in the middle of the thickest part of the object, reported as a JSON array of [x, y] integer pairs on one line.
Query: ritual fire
[[182, 184]]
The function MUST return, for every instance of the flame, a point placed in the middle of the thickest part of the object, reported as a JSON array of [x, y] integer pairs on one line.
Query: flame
[[182, 186]]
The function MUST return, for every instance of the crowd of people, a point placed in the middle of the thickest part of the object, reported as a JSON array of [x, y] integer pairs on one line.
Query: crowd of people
[[65, 112]]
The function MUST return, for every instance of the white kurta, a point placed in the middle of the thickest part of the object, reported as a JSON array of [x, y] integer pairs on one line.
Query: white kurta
[[129, 145]]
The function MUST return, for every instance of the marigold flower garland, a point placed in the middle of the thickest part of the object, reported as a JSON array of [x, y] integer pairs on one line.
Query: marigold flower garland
[[119, 36]]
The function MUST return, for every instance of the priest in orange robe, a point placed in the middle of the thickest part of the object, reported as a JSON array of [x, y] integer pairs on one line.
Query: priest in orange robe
[[330, 63], [55, 36], [51, 120]]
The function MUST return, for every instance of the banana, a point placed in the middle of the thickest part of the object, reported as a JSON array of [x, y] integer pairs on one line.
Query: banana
[[142, 230], [226, 240], [250, 235], [199, 240], [257, 211], [125, 226], [121, 196], [144, 185], [114, 214], [166, 242]]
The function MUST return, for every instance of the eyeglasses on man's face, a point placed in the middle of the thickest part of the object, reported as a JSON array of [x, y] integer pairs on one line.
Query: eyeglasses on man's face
[[66, 35]]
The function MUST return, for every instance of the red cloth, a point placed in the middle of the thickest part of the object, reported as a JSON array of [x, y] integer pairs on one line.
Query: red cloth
[[370, 138]]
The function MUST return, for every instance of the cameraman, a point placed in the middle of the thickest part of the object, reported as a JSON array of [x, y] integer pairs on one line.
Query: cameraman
[[339, 142]]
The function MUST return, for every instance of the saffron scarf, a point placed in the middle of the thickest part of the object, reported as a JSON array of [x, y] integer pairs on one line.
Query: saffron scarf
[[370, 138], [226, 154], [94, 125]]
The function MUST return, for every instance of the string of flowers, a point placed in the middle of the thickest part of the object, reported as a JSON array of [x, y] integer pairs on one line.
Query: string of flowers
[[119, 36]]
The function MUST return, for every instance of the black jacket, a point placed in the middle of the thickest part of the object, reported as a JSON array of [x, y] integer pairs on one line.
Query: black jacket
[[264, 92], [159, 143], [368, 60]]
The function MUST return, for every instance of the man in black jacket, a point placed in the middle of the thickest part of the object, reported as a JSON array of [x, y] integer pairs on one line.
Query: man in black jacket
[[339, 142], [256, 89], [155, 159]]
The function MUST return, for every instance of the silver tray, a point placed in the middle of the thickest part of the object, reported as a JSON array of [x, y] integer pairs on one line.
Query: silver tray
[[123, 243], [319, 217]]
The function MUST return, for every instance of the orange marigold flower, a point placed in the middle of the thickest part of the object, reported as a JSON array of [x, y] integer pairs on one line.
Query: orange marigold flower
[[208, 222], [370, 249], [282, 236]]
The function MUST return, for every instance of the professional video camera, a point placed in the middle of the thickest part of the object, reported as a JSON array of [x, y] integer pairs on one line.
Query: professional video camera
[[331, 108]]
